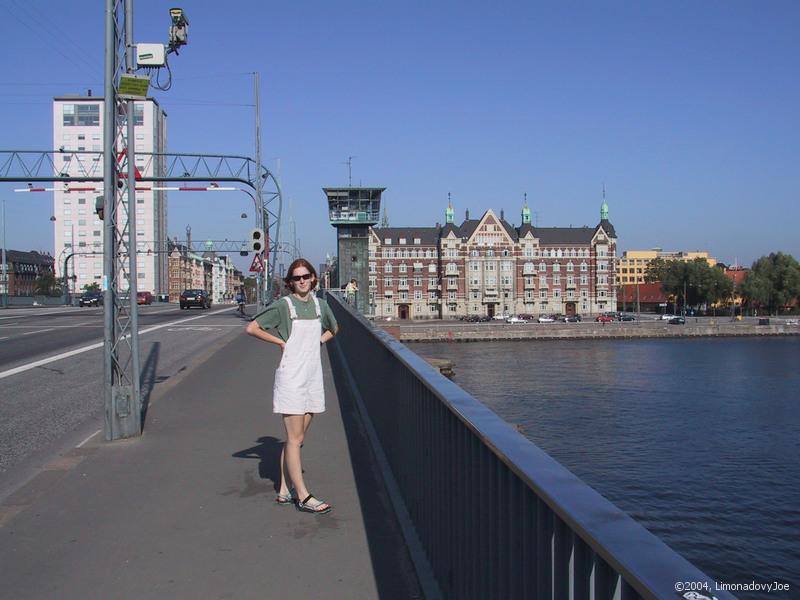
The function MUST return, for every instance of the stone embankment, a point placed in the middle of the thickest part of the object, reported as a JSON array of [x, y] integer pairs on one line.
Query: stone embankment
[[456, 331]]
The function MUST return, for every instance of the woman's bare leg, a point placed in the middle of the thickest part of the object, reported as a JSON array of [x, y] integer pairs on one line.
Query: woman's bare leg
[[284, 483]]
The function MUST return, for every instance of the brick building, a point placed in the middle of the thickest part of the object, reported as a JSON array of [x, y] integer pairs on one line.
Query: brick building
[[488, 266], [22, 271]]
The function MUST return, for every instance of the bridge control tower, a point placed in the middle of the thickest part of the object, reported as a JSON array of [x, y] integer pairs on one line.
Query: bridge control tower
[[352, 210]]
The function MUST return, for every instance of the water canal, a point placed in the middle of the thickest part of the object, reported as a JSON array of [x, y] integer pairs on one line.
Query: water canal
[[697, 439]]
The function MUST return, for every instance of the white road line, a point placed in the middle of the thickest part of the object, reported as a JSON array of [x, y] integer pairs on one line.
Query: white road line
[[15, 326], [38, 331], [47, 361], [4, 338], [88, 438]]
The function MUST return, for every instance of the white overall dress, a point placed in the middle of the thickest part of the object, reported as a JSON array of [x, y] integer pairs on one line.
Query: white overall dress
[[298, 378]]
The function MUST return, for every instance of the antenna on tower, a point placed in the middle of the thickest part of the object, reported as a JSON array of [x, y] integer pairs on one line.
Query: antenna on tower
[[349, 163]]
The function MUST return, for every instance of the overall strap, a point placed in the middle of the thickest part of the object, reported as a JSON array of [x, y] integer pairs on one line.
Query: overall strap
[[316, 306], [292, 311]]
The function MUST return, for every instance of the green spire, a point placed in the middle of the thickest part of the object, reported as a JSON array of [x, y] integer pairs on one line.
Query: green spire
[[604, 206], [526, 212], [449, 214], [209, 245]]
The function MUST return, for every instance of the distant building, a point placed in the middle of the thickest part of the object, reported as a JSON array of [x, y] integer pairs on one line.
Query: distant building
[[208, 271], [641, 297], [78, 126], [23, 269], [633, 263], [487, 266]]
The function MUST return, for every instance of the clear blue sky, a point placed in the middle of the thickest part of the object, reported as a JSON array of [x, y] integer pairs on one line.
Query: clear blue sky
[[687, 111]]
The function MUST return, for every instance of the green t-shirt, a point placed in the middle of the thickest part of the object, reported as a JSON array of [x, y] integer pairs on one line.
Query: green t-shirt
[[276, 316]]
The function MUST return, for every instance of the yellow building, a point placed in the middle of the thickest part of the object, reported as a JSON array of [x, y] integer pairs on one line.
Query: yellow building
[[633, 263]]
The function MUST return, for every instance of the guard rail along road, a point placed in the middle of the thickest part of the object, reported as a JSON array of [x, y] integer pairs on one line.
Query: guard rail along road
[[487, 513]]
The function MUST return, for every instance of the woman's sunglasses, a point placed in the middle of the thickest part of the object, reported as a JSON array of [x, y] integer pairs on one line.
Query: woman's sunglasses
[[305, 277]]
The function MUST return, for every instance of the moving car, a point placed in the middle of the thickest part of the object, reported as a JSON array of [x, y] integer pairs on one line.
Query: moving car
[[571, 318], [667, 317], [502, 317], [623, 317], [91, 299], [195, 297], [144, 298], [677, 321], [604, 319], [546, 319], [515, 320]]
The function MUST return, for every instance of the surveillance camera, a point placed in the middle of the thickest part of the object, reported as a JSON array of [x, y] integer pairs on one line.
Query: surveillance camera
[[178, 17]]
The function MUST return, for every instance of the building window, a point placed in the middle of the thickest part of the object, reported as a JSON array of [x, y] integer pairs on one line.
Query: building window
[[556, 279], [543, 281], [387, 241], [417, 294], [387, 268], [584, 267], [542, 267], [403, 268], [417, 241], [556, 267], [85, 115], [431, 282]]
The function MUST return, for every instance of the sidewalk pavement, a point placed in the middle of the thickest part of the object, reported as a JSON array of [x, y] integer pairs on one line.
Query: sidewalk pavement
[[187, 510]]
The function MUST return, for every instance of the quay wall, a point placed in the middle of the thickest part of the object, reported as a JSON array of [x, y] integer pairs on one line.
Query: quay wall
[[483, 332]]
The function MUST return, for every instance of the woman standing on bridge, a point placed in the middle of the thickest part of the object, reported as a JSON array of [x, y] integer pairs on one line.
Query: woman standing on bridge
[[301, 323]]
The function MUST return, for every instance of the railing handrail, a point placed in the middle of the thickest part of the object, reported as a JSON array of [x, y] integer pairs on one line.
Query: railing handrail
[[643, 560]]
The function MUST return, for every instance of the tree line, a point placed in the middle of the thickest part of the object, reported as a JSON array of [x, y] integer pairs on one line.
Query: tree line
[[771, 284]]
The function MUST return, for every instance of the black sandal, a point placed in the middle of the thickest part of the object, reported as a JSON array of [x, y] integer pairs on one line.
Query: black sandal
[[303, 506]]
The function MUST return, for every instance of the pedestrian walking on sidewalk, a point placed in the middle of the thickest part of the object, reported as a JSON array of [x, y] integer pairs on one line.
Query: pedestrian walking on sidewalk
[[300, 323]]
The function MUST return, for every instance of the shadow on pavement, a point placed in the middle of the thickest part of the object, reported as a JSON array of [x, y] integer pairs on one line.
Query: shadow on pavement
[[149, 378], [268, 451], [394, 571]]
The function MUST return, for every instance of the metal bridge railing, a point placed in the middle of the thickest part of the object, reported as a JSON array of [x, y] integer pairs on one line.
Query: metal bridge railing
[[496, 516]]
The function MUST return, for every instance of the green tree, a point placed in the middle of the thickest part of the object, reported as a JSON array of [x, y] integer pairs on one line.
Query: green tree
[[656, 270], [773, 282], [91, 287], [47, 285], [693, 283]]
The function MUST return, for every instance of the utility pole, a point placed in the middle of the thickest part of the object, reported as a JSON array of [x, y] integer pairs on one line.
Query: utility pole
[[5, 264], [262, 277]]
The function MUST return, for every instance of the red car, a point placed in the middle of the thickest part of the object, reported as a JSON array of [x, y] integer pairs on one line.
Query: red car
[[604, 319], [144, 298]]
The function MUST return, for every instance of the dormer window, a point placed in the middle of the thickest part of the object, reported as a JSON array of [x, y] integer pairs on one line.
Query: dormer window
[[402, 241], [387, 241], [417, 241]]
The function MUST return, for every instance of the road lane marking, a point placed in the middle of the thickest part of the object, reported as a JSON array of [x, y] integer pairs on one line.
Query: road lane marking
[[88, 438], [81, 350], [38, 331]]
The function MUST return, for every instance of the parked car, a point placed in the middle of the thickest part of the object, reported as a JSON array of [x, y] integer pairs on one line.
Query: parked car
[[91, 299], [571, 318], [677, 321], [515, 320], [501, 317], [546, 319], [604, 319], [144, 298], [191, 298], [624, 317]]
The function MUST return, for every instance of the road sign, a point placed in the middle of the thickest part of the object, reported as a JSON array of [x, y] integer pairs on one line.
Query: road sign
[[257, 265]]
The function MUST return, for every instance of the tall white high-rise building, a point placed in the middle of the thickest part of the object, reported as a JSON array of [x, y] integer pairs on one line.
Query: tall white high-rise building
[[78, 125]]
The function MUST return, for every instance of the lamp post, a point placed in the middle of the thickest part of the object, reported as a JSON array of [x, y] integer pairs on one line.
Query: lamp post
[[5, 264]]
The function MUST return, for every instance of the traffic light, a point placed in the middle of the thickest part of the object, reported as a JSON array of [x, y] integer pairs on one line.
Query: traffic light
[[256, 240], [99, 206]]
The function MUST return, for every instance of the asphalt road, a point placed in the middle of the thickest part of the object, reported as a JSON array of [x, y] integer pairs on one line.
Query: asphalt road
[[58, 401]]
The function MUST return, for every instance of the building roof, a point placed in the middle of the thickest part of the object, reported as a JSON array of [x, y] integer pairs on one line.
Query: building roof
[[429, 236], [649, 293], [33, 257]]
